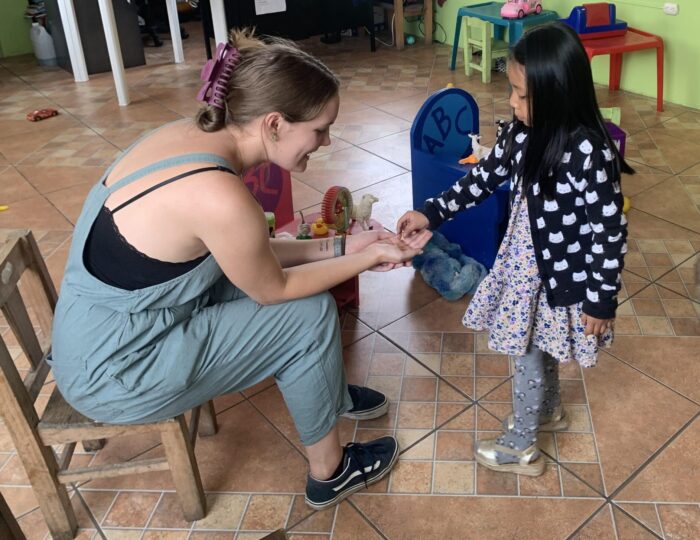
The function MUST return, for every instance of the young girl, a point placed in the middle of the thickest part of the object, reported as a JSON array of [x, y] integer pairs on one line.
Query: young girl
[[551, 295]]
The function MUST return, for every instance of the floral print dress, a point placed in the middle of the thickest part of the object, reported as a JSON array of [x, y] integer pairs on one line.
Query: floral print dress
[[511, 303]]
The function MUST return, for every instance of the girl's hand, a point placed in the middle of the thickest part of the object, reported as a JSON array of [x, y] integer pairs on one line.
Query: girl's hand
[[594, 326], [394, 252], [412, 221]]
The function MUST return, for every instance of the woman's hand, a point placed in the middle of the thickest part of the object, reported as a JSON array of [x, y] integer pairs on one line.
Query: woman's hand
[[594, 326], [394, 252], [359, 241], [411, 222]]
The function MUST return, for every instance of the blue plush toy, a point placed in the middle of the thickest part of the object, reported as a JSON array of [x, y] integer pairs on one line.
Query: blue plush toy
[[449, 271]]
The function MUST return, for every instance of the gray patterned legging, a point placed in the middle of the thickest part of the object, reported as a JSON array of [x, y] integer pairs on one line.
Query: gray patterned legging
[[535, 395]]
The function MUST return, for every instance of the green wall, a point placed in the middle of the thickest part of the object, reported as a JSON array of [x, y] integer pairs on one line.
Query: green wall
[[14, 28], [681, 34]]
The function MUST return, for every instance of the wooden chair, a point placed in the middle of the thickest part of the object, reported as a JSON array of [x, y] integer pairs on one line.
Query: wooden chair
[[478, 34], [60, 424]]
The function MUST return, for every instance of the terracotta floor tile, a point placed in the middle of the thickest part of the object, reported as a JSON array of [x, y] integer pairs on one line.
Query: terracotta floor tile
[[581, 479], [34, 213], [350, 524], [131, 509], [33, 526], [646, 514], [679, 520], [21, 500], [546, 485], [266, 512], [303, 519], [14, 187], [394, 148], [629, 528], [642, 226], [669, 200], [439, 315], [600, 527], [672, 476], [394, 196], [386, 297], [430, 517], [224, 511], [623, 444], [168, 514], [411, 477]]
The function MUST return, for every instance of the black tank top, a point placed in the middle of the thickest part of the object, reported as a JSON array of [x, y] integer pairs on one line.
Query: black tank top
[[111, 259]]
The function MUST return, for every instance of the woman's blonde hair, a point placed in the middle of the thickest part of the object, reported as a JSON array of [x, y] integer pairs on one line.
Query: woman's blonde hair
[[272, 75]]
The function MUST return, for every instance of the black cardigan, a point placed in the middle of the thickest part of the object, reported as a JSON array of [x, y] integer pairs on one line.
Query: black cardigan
[[579, 236]]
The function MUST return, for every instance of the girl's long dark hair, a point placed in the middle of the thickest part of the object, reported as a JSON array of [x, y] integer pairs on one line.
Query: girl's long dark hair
[[561, 99]]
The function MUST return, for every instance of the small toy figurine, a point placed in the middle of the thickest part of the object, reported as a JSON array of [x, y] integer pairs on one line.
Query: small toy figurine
[[517, 9], [41, 114], [336, 208], [303, 230], [478, 152], [319, 227], [363, 211]]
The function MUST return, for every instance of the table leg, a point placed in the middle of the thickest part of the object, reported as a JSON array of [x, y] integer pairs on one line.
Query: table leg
[[660, 78], [66, 10], [428, 21], [114, 50], [175, 35], [455, 43], [398, 21], [218, 19], [615, 71]]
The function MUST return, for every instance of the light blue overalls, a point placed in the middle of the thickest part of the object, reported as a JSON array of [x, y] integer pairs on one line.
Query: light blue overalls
[[138, 356]]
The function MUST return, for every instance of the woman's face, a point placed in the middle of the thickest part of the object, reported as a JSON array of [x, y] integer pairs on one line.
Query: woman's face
[[519, 100], [298, 140]]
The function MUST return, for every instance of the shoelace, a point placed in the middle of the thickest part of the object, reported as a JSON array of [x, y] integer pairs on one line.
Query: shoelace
[[356, 453]]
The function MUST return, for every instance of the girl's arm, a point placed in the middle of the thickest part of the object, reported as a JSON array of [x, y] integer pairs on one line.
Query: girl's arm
[[480, 182], [604, 202]]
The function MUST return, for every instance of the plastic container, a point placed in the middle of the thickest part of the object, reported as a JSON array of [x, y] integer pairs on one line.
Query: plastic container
[[43, 45]]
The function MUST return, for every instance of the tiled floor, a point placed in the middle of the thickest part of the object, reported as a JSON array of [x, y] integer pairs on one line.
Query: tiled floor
[[627, 468]]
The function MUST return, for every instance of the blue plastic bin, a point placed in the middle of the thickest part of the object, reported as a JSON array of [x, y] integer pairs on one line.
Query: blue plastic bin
[[439, 139]]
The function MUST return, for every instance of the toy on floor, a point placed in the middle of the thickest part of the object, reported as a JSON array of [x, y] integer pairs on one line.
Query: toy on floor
[[363, 211], [449, 271], [4, 207], [595, 21], [517, 9], [41, 114]]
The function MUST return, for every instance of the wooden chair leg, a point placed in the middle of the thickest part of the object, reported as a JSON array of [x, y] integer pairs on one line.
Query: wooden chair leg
[[93, 446], [183, 467], [207, 420], [38, 460]]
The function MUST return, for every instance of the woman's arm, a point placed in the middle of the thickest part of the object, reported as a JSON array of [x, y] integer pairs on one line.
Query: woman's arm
[[292, 252], [233, 227]]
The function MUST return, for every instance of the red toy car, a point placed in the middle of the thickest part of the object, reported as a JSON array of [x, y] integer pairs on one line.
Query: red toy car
[[41, 114]]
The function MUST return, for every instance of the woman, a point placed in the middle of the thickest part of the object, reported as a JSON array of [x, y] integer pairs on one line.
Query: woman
[[174, 294]]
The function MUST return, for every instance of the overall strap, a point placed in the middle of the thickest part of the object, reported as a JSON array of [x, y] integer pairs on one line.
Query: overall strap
[[169, 181], [201, 157]]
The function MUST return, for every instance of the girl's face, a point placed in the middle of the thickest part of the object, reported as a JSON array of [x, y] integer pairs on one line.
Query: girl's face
[[519, 100], [298, 140]]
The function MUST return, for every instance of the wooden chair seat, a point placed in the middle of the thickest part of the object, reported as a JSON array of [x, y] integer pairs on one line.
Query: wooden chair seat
[[60, 424]]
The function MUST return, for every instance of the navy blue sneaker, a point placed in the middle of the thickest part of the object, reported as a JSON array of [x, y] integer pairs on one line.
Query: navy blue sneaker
[[364, 464], [367, 403]]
